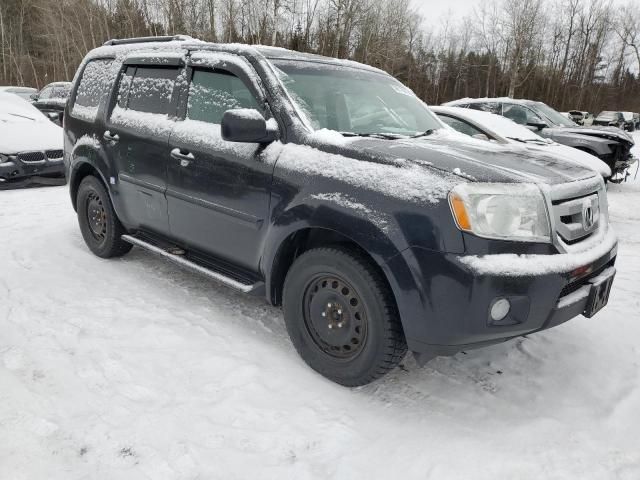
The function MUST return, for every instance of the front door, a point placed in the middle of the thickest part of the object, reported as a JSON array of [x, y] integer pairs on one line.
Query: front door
[[218, 191]]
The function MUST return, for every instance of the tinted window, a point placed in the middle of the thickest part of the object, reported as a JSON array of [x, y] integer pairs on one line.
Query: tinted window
[[212, 93], [150, 89], [492, 107], [520, 114], [460, 126], [95, 78]]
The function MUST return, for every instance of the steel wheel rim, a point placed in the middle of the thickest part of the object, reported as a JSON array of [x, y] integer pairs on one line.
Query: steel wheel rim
[[96, 216], [334, 316]]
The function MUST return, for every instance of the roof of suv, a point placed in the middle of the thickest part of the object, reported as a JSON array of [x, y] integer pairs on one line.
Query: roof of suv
[[180, 43]]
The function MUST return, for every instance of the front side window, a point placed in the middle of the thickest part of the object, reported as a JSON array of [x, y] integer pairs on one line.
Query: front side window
[[461, 126], [353, 100], [213, 92], [519, 114], [147, 89]]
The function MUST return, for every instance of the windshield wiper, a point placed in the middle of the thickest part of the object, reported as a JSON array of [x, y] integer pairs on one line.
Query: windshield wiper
[[386, 136], [426, 133], [526, 140], [21, 116]]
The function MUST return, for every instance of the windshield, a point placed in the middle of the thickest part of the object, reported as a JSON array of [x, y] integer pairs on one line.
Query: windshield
[[607, 116], [355, 101], [553, 116]]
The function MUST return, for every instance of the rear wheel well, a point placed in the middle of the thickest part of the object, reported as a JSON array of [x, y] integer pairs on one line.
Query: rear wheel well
[[301, 241], [82, 171]]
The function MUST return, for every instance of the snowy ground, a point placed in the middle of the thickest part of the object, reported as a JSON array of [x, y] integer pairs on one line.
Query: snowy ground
[[133, 368]]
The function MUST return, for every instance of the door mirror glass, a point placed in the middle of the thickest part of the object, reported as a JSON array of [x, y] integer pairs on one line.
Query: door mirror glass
[[246, 125]]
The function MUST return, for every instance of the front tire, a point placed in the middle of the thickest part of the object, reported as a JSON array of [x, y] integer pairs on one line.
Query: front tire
[[99, 224], [341, 316]]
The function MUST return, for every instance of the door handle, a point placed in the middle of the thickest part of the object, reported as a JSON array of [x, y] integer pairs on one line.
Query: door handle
[[184, 156], [110, 137]]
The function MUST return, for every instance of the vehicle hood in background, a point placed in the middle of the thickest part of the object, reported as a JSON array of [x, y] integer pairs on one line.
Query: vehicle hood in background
[[19, 134], [611, 133]]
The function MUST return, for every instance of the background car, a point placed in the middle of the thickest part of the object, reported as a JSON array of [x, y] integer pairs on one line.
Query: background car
[[52, 99], [491, 127], [610, 119], [610, 144], [629, 121], [23, 92], [30, 145], [581, 117]]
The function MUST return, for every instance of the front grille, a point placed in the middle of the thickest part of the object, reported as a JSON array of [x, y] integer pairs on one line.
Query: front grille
[[54, 154], [577, 218], [30, 157]]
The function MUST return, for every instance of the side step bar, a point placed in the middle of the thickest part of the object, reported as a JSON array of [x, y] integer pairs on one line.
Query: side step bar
[[183, 262]]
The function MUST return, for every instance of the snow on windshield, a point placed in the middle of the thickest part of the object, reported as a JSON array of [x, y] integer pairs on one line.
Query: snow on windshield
[[354, 100]]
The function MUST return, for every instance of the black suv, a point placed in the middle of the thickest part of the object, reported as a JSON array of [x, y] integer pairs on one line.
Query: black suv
[[332, 190]]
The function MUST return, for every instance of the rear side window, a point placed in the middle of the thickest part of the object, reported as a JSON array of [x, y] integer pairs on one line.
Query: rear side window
[[460, 126], [213, 92], [95, 78], [148, 90]]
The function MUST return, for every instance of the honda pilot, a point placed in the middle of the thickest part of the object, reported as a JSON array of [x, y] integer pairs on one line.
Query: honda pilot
[[329, 188]]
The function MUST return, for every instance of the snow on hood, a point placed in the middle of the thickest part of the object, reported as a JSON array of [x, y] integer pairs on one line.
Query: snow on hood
[[24, 128], [596, 131]]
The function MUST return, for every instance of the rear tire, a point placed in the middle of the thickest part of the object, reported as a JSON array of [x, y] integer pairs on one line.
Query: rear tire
[[99, 224], [342, 317]]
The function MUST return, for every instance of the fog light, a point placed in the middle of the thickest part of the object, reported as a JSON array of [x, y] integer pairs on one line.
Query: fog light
[[500, 309]]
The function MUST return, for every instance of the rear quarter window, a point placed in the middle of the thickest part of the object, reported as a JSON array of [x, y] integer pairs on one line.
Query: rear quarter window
[[97, 78]]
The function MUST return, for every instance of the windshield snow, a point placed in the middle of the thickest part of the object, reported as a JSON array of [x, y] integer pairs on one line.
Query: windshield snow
[[355, 101]]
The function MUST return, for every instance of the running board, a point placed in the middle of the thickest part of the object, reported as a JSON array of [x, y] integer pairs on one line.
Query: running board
[[183, 262]]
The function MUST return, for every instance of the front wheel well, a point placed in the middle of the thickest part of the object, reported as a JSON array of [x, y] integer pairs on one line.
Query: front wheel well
[[84, 170], [301, 241]]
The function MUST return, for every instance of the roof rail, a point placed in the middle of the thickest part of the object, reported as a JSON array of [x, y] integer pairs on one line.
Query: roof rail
[[163, 38]]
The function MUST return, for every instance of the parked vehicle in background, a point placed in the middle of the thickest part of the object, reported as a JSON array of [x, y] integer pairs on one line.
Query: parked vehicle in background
[[23, 92], [636, 120], [30, 144], [328, 187], [581, 117], [629, 121], [496, 128], [52, 99], [609, 144], [610, 119]]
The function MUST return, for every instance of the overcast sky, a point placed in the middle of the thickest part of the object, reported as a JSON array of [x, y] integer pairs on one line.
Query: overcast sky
[[433, 10]]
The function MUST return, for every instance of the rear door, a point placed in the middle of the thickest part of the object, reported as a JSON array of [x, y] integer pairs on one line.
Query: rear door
[[218, 191], [137, 135]]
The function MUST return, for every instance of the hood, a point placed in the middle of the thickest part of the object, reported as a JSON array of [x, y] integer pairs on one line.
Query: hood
[[610, 133], [474, 159], [571, 154], [24, 134]]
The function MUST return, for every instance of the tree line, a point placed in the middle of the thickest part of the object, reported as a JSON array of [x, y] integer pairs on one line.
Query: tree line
[[582, 54]]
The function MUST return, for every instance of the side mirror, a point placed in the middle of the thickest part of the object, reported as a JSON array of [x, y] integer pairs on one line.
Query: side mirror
[[537, 124], [34, 96], [246, 125]]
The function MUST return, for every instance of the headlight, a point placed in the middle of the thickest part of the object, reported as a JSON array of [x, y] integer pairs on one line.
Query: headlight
[[501, 211], [6, 158]]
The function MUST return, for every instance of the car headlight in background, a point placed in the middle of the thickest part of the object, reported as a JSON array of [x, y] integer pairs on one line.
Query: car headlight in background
[[501, 211], [6, 158]]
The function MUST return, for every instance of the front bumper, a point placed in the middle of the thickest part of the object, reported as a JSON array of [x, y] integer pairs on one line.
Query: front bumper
[[14, 170], [456, 295]]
